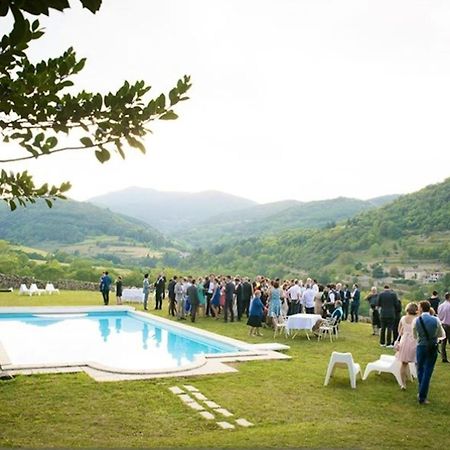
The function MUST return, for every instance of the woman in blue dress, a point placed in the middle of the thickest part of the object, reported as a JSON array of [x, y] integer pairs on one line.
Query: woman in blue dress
[[256, 312], [215, 299], [275, 302]]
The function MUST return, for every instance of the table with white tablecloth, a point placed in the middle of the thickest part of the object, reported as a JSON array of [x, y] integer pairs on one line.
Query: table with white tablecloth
[[133, 295], [298, 322]]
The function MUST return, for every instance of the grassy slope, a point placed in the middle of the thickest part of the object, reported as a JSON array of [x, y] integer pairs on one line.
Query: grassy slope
[[285, 399]]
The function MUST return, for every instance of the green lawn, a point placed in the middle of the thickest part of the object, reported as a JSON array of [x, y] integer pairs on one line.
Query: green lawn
[[286, 400]]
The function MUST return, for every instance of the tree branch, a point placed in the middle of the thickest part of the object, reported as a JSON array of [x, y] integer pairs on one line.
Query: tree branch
[[23, 158]]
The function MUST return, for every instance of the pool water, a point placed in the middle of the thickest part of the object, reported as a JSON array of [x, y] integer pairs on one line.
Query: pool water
[[120, 340]]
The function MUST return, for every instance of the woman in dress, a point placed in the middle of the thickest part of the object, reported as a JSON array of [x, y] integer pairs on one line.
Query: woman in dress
[[215, 299], [255, 314], [406, 352], [275, 303], [201, 296]]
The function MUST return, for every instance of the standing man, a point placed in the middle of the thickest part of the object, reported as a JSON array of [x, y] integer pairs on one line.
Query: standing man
[[434, 301], [238, 291], [294, 293], [427, 330], [105, 286], [171, 295], [356, 300], [444, 317], [160, 287], [229, 296], [308, 299], [346, 301], [247, 294], [146, 290], [209, 288], [192, 293], [387, 301]]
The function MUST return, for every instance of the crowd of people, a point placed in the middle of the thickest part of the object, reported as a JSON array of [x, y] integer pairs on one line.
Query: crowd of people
[[263, 301]]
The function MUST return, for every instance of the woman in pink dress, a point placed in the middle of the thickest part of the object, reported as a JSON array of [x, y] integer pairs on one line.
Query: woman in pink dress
[[406, 352]]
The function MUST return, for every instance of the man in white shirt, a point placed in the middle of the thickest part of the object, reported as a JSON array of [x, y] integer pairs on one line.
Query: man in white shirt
[[294, 293], [308, 299]]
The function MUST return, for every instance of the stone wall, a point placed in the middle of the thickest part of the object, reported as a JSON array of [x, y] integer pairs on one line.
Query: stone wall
[[14, 281]]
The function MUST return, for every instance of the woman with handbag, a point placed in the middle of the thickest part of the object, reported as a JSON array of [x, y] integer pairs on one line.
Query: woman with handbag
[[406, 344]]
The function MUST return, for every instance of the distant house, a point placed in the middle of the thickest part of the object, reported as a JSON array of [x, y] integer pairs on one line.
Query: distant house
[[434, 277]]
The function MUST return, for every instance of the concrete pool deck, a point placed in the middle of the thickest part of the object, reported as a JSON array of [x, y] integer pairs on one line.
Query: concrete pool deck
[[203, 364]]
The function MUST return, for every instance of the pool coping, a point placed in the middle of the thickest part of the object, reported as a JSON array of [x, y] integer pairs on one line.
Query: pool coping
[[204, 364]]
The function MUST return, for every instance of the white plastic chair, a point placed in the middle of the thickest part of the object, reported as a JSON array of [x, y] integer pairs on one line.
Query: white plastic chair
[[35, 290], [49, 288], [389, 364], [23, 290], [343, 360], [330, 327], [280, 326]]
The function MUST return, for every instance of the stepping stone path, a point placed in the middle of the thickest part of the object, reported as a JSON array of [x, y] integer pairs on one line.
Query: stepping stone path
[[189, 401]]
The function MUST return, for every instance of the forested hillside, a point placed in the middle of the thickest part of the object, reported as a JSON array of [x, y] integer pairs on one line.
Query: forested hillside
[[413, 226], [70, 222], [273, 218]]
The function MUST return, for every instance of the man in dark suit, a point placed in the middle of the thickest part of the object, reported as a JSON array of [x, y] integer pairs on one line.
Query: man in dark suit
[[171, 295], [192, 293], [247, 293], [239, 293], [229, 296], [388, 302], [160, 287]]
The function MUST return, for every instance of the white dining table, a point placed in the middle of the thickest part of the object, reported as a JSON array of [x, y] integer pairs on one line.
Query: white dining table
[[133, 295], [301, 321]]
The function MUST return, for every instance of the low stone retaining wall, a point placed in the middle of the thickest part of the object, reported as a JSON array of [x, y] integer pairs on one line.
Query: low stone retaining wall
[[14, 281]]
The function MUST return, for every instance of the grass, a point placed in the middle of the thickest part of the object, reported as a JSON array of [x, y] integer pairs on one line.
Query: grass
[[286, 400]]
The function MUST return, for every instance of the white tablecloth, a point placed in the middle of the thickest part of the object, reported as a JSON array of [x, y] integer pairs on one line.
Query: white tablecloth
[[302, 321], [134, 295]]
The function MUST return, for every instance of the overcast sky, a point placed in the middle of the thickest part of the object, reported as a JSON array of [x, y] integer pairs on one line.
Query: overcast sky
[[301, 99]]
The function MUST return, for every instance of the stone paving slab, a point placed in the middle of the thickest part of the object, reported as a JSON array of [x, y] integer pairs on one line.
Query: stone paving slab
[[224, 412], [176, 390], [207, 415], [244, 423], [199, 396], [196, 406], [211, 404], [186, 398], [225, 425], [190, 388]]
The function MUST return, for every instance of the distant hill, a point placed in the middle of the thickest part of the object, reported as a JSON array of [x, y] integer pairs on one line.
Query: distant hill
[[70, 222], [275, 217], [170, 211], [412, 227]]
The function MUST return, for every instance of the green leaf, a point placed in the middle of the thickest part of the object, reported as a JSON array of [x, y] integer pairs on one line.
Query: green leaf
[[102, 155], [12, 205], [92, 5], [49, 203], [86, 141], [136, 144], [169, 115]]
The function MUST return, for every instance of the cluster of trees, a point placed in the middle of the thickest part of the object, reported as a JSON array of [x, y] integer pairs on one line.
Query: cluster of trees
[[70, 222], [400, 227]]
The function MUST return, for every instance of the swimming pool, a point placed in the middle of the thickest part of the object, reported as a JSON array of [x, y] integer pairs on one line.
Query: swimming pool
[[121, 340]]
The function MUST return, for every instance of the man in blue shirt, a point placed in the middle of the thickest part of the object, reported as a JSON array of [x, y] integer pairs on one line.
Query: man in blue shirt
[[427, 330], [105, 287]]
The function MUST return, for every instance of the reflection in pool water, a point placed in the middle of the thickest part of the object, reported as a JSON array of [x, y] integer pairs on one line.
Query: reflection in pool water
[[119, 340]]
